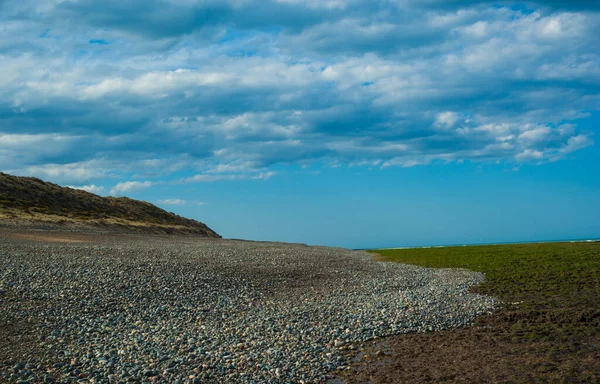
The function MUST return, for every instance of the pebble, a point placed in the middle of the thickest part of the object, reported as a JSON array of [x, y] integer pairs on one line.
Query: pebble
[[130, 308]]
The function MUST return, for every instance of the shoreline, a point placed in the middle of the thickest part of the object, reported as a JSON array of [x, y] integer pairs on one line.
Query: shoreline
[[592, 240]]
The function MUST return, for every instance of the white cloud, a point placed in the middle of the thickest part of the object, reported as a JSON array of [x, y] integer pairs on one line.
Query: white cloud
[[403, 162], [447, 119], [64, 173], [16, 149], [234, 167], [479, 29], [328, 4], [24, 140], [577, 142], [239, 176], [530, 154], [129, 186], [180, 202], [172, 201], [534, 134], [95, 189]]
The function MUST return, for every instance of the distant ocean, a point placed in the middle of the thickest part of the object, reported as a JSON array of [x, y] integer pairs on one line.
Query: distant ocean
[[497, 243]]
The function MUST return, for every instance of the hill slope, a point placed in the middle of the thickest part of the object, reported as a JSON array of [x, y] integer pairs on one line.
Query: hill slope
[[30, 200]]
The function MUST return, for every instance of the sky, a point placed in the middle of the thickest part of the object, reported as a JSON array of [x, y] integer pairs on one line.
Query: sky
[[353, 123]]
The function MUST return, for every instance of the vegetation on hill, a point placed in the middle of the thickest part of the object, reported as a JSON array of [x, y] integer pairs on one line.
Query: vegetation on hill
[[33, 200]]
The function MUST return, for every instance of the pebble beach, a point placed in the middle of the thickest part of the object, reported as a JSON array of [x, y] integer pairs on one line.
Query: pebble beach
[[133, 308]]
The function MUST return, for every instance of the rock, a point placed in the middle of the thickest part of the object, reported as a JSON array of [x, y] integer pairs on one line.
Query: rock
[[219, 311], [150, 373]]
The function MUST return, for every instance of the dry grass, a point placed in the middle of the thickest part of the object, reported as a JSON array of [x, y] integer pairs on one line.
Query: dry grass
[[30, 200]]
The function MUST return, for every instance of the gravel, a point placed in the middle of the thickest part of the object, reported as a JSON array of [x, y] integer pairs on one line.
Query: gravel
[[182, 310]]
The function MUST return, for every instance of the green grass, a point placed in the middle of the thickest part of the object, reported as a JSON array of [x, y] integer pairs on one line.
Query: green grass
[[546, 329], [550, 291]]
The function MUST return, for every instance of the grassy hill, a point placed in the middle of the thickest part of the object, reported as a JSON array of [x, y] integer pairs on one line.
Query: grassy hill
[[27, 200]]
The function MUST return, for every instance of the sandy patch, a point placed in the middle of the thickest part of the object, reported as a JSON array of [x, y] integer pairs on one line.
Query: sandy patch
[[52, 238]]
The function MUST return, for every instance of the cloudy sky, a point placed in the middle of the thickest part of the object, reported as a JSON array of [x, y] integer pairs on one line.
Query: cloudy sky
[[342, 122]]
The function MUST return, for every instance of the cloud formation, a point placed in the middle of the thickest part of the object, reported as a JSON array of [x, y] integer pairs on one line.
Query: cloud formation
[[232, 176], [128, 186], [180, 202], [172, 201], [152, 88], [95, 189]]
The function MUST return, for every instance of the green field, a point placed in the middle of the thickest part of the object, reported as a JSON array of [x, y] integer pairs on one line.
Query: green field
[[548, 325], [554, 279]]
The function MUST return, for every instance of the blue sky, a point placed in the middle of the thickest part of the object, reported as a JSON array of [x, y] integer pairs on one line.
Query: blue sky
[[353, 123]]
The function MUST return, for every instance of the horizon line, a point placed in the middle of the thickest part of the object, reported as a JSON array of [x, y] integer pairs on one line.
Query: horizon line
[[585, 240]]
